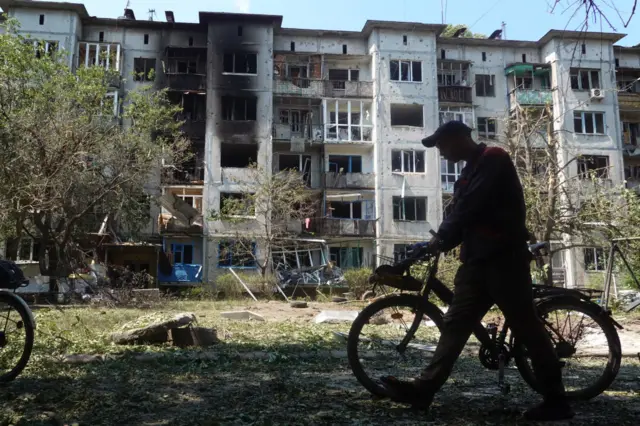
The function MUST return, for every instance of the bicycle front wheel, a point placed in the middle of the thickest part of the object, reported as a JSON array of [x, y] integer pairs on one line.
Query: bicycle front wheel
[[587, 345], [394, 336], [16, 337]]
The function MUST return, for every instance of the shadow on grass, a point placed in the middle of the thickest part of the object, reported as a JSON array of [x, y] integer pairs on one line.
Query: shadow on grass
[[235, 383]]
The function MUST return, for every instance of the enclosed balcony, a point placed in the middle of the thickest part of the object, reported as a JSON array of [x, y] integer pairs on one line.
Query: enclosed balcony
[[186, 69], [347, 121], [453, 82], [628, 89], [529, 85], [105, 55], [338, 227]]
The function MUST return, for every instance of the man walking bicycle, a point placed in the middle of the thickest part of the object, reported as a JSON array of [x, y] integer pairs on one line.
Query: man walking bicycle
[[488, 221]]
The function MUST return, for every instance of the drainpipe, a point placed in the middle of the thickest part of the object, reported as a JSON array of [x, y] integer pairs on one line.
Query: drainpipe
[[616, 112]]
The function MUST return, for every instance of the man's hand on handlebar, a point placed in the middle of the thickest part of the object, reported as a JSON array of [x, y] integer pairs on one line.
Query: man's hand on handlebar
[[424, 248]]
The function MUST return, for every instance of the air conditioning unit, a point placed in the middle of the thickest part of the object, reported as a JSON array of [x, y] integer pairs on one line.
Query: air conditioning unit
[[597, 94]]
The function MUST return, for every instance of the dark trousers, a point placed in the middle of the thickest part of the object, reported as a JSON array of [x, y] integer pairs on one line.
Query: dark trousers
[[506, 282]]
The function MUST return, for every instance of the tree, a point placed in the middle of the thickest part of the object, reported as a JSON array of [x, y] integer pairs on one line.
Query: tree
[[268, 215], [450, 30], [67, 162], [594, 10], [579, 210]]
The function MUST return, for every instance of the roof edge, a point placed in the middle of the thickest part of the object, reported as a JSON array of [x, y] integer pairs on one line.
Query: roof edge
[[79, 8], [206, 17]]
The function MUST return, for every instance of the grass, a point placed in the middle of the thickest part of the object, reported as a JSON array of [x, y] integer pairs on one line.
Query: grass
[[263, 373]]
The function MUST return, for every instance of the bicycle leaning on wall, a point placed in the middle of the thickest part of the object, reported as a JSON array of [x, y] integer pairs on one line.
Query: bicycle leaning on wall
[[398, 332], [17, 324]]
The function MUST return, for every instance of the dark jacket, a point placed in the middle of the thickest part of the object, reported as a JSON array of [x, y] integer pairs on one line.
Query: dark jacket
[[489, 213]]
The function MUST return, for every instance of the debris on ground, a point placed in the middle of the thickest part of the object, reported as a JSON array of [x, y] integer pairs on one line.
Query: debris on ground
[[155, 332], [242, 316], [298, 304], [335, 316]]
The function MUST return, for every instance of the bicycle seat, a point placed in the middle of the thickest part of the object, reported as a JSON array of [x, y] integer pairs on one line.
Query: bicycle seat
[[534, 248]]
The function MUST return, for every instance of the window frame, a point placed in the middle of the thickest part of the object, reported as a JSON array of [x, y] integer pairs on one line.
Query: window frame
[[410, 76], [599, 254], [233, 62], [457, 171], [601, 172], [413, 155], [145, 76], [401, 203], [577, 73], [486, 133], [582, 115], [235, 99], [175, 246], [486, 78]]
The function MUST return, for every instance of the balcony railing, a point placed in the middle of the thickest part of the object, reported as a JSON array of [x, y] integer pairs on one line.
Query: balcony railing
[[629, 100], [182, 273], [293, 132], [348, 227], [531, 97], [349, 180], [194, 82], [455, 94], [313, 88], [348, 133]]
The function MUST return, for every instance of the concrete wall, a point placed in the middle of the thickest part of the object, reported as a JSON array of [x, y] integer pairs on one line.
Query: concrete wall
[[223, 37], [320, 44], [385, 46]]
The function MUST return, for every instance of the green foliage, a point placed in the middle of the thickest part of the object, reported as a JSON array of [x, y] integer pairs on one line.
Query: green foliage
[[451, 29], [358, 280], [67, 161], [229, 286]]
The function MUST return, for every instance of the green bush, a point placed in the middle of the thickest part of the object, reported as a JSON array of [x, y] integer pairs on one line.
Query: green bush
[[358, 280]]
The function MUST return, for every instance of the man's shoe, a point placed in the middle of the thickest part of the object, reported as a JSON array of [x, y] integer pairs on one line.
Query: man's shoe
[[408, 393], [550, 411]]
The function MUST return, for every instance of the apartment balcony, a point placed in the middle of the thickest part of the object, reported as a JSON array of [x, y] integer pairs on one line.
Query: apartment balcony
[[314, 88], [312, 133], [186, 82], [334, 180], [629, 101], [338, 227], [455, 94], [531, 97]]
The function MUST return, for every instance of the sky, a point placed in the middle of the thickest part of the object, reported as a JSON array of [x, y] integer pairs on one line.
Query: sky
[[524, 20]]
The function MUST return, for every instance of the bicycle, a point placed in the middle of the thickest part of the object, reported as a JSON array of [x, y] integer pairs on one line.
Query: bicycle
[[497, 346], [14, 360]]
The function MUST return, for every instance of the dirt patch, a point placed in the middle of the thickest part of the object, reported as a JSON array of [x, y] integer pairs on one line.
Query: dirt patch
[[279, 311]]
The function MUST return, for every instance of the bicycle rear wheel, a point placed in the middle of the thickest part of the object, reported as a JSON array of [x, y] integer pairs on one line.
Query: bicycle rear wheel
[[586, 342], [375, 344], [16, 337]]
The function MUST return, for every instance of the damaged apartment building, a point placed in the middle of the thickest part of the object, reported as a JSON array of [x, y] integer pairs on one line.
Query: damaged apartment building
[[347, 109]]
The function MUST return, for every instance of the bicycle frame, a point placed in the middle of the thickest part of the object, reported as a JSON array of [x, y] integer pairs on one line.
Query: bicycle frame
[[615, 248]]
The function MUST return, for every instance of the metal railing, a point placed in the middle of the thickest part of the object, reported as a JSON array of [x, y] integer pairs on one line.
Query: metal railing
[[531, 96], [456, 94], [349, 180]]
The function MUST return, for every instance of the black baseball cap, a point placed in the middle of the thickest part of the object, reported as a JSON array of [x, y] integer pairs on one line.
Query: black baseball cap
[[450, 129]]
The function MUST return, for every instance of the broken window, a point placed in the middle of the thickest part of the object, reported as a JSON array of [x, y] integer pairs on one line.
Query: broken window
[[24, 249], [405, 70], [345, 163], [593, 165], [299, 163], [582, 79], [407, 161], [348, 120], [191, 196], [407, 115], [144, 69], [347, 257], [345, 209], [449, 173], [239, 109], [525, 82], [236, 254], [463, 114], [590, 123], [237, 204], [182, 253], [238, 155], [410, 209], [452, 73], [595, 259], [630, 133], [240, 63], [338, 77], [98, 54], [299, 120], [485, 85], [486, 127]]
